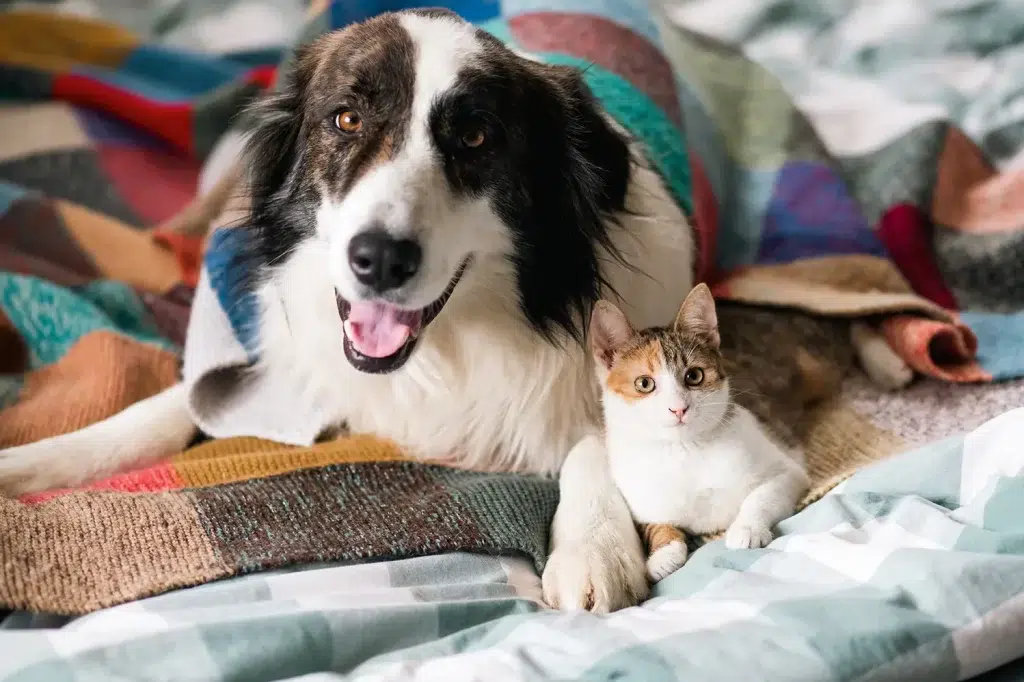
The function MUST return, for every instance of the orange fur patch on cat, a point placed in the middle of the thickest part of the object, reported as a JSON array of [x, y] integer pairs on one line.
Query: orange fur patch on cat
[[645, 359], [658, 535]]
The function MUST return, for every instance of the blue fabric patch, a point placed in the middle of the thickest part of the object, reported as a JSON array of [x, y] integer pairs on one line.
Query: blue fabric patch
[[227, 266], [188, 74], [1000, 342], [166, 75], [250, 59], [9, 194]]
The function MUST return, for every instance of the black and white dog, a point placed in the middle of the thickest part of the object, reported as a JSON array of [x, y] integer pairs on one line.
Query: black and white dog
[[435, 215]]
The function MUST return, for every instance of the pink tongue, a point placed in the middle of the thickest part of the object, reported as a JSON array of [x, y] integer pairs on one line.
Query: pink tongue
[[378, 330]]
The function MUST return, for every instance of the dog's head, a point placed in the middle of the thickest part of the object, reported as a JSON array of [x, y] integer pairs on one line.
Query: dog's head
[[414, 147]]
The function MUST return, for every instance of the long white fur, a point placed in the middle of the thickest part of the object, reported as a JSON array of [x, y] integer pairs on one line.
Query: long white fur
[[142, 434], [482, 388]]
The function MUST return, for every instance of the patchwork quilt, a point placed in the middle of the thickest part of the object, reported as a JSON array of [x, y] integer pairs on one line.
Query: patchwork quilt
[[837, 165]]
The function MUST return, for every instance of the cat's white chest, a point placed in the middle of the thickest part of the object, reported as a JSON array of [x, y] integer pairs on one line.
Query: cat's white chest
[[698, 488], [667, 485]]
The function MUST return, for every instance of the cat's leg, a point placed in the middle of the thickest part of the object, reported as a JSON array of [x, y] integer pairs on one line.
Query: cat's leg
[[879, 360], [666, 550], [766, 505], [597, 559]]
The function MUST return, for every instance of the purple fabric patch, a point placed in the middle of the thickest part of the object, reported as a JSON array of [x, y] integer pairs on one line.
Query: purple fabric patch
[[107, 130], [812, 214]]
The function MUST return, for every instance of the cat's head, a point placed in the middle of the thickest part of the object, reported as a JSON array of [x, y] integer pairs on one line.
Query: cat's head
[[664, 380]]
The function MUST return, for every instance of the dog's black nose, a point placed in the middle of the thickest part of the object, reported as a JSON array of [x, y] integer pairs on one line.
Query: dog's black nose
[[382, 262]]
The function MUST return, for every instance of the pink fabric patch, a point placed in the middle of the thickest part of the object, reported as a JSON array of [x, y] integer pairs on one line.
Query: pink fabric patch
[[152, 479], [942, 350], [156, 185]]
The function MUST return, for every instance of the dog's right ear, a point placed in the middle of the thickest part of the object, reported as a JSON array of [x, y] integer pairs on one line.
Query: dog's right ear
[[609, 331], [274, 122]]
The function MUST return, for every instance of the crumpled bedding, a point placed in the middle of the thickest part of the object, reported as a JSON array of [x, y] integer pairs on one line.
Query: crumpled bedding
[[901, 138]]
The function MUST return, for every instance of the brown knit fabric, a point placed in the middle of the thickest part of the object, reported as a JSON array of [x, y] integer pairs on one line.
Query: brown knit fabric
[[838, 444], [53, 560], [101, 375], [841, 286], [151, 267]]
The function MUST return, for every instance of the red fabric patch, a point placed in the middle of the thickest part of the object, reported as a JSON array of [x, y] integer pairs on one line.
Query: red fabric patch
[[937, 349], [152, 479], [189, 251], [172, 122], [262, 75], [705, 209], [157, 185], [904, 231]]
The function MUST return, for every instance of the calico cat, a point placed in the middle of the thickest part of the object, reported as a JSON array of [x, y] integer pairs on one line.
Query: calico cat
[[683, 453]]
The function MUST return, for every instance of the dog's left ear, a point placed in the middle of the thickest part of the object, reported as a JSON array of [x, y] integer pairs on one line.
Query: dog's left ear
[[603, 151]]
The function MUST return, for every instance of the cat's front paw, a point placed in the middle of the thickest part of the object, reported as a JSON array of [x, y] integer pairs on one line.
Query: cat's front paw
[[666, 560], [880, 362], [748, 536]]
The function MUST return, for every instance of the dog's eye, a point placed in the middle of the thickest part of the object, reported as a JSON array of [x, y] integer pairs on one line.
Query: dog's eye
[[644, 384], [694, 376], [474, 138], [348, 122]]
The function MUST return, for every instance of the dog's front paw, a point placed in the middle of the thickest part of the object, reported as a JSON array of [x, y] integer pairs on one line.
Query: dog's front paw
[[597, 577], [742, 535], [666, 560]]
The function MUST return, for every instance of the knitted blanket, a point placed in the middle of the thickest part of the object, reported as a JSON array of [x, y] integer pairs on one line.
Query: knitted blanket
[[93, 308]]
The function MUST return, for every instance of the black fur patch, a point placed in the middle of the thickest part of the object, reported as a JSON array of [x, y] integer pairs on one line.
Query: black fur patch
[[555, 171]]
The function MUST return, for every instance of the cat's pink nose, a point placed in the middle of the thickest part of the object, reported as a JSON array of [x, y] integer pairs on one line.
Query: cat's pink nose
[[679, 412]]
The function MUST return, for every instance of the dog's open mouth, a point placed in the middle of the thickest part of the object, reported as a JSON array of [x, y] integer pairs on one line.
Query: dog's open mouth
[[379, 336]]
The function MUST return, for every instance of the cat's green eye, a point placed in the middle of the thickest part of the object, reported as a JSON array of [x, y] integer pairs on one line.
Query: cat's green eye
[[694, 376], [644, 384]]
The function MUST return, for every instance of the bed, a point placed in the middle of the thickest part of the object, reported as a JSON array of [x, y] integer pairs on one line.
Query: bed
[[854, 162]]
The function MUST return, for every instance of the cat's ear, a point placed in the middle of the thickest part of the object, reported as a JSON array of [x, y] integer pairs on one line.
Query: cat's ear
[[609, 331], [697, 315]]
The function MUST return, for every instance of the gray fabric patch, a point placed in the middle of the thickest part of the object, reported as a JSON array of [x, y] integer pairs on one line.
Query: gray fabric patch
[[74, 175], [985, 271]]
